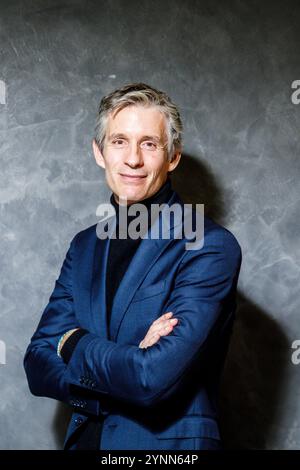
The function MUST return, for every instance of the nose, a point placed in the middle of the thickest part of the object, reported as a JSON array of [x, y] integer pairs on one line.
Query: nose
[[134, 156]]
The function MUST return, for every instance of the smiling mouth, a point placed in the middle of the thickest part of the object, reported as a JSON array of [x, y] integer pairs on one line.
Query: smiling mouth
[[132, 177]]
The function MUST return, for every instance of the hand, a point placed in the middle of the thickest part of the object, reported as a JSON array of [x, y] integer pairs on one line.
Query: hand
[[160, 327]]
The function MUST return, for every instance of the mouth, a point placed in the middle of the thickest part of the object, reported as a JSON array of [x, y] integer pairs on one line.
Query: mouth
[[132, 178]]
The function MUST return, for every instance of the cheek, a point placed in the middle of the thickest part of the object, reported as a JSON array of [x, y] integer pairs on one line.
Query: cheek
[[157, 168], [159, 172], [112, 167]]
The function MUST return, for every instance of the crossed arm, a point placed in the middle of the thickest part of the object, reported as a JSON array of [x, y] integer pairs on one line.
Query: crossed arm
[[162, 326], [146, 373]]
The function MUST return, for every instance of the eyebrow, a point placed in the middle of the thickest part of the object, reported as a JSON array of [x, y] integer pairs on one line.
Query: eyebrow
[[117, 136], [145, 137]]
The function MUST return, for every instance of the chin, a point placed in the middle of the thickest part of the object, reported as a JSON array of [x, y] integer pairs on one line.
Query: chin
[[133, 193], [130, 196]]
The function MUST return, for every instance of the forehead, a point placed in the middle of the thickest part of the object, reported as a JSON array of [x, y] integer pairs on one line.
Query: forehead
[[137, 120]]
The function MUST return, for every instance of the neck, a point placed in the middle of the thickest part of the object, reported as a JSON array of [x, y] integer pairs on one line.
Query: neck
[[160, 197]]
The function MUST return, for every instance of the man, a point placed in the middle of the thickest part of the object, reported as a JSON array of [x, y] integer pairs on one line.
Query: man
[[136, 331]]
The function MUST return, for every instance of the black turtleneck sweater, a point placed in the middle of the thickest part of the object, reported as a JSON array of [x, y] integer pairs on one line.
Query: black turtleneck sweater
[[121, 251]]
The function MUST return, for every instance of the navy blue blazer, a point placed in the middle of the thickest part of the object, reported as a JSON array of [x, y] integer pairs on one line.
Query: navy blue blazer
[[161, 397]]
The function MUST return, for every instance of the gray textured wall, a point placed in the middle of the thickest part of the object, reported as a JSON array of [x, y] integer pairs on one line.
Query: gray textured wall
[[229, 66]]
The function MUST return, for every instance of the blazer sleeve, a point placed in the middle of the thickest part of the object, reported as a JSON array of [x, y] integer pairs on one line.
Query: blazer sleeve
[[45, 370], [205, 282]]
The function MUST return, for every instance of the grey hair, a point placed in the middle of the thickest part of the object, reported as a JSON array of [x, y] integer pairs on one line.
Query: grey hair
[[140, 94]]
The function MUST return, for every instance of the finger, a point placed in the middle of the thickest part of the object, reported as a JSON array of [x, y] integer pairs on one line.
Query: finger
[[161, 326], [163, 317], [162, 332], [153, 340], [149, 341], [168, 315], [159, 329], [169, 327]]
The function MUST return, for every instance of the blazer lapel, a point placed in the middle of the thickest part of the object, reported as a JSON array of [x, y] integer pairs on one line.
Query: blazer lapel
[[98, 287]]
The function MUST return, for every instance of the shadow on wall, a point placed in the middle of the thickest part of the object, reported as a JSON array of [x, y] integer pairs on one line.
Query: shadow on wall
[[254, 370], [254, 378], [196, 184]]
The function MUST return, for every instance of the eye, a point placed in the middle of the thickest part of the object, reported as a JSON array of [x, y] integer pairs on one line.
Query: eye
[[149, 145], [118, 142]]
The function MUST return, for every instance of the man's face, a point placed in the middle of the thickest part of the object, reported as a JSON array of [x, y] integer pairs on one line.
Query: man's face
[[135, 153]]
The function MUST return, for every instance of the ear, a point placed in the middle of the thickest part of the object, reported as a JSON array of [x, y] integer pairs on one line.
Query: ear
[[175, 160], [98, 155]]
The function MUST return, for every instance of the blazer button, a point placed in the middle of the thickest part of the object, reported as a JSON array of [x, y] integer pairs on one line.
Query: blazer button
[[78, 421]]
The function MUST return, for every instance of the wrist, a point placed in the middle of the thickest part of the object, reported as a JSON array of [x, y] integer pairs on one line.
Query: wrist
[[63, 339]]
